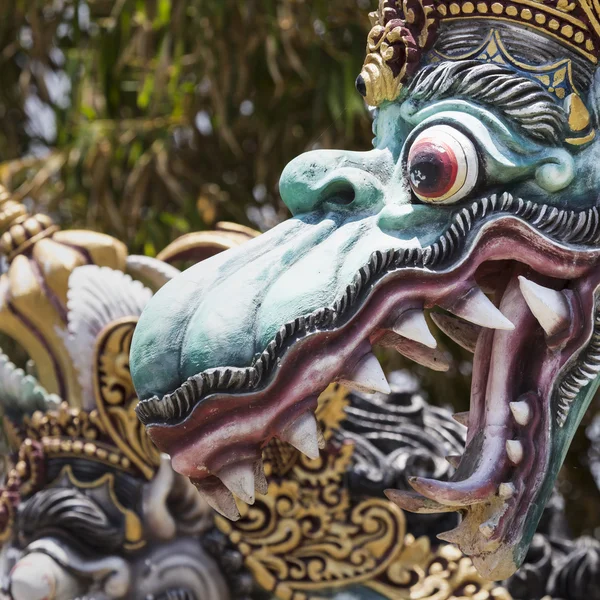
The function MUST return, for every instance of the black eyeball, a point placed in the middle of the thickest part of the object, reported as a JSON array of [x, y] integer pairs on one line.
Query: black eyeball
[[361, 86]]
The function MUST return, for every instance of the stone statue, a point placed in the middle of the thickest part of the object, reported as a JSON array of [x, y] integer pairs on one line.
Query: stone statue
[[479, 204]]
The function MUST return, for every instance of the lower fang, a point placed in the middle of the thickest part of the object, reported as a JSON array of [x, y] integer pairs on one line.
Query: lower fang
[[431, 358], [454, 460], [321, 441], [463, 333], [453, 493], [514, 449], [462, 418], [452, 537], [487, 530], [416, 503], [260, 481], [218, 497]]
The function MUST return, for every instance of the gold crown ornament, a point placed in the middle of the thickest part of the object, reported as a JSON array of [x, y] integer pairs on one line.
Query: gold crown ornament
[[409, 33]]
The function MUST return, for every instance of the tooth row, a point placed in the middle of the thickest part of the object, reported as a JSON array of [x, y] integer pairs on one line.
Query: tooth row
[[412, 325], [367, 376], [473, 306], [243, 479], [580, 227], [586, 370]]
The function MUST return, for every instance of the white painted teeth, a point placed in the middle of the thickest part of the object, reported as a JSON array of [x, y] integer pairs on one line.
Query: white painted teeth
[[219, 497], [548, 306], [477, 308], [514, 449], [303, 434], [239, 479], [412, 325], [462, 418], [368, 376], [432, 358], [521, 412], [506, 490]]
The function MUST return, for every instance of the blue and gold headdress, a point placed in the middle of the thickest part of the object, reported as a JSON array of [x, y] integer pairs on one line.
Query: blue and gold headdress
[[554, 42]]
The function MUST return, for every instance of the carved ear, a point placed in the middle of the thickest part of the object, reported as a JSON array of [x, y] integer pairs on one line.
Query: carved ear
[[97, 296]]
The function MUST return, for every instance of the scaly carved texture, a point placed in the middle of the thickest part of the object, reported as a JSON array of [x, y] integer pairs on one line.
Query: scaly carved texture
[[585, 370]]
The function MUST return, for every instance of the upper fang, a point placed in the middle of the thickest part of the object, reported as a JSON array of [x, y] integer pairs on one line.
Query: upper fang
[[303, 435], [548, 306], [412, 325], [477, 308], [367, 376], [239, 479]]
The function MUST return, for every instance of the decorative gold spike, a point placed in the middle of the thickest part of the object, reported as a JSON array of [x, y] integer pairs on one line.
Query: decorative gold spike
[[578, 114]]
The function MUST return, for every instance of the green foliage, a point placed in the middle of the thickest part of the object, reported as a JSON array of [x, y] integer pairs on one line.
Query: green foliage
[[176, 113]]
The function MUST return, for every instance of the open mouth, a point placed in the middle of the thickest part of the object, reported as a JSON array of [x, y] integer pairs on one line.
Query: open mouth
[[523, 302]]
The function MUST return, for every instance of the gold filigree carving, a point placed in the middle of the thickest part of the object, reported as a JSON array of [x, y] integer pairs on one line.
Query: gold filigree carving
[[116, 398], [308, 535], [402, 31]]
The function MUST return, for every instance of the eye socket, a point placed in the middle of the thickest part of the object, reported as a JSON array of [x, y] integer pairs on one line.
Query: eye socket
[[442, 165]]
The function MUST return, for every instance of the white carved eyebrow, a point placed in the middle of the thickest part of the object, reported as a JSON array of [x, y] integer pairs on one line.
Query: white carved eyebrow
[[518, 98]]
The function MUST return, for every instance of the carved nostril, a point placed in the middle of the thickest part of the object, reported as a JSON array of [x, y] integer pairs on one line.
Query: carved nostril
[[341, 193]]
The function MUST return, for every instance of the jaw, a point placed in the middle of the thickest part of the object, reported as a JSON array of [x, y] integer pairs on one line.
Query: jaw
[[526, 398]]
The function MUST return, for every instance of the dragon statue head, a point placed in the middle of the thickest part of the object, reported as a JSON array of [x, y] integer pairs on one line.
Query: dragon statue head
[[479, 204]]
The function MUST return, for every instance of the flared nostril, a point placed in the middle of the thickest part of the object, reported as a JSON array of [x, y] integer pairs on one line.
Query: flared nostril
[[341, 193]]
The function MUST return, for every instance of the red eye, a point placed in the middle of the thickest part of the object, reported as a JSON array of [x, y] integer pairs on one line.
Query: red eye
[[442, 165]]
